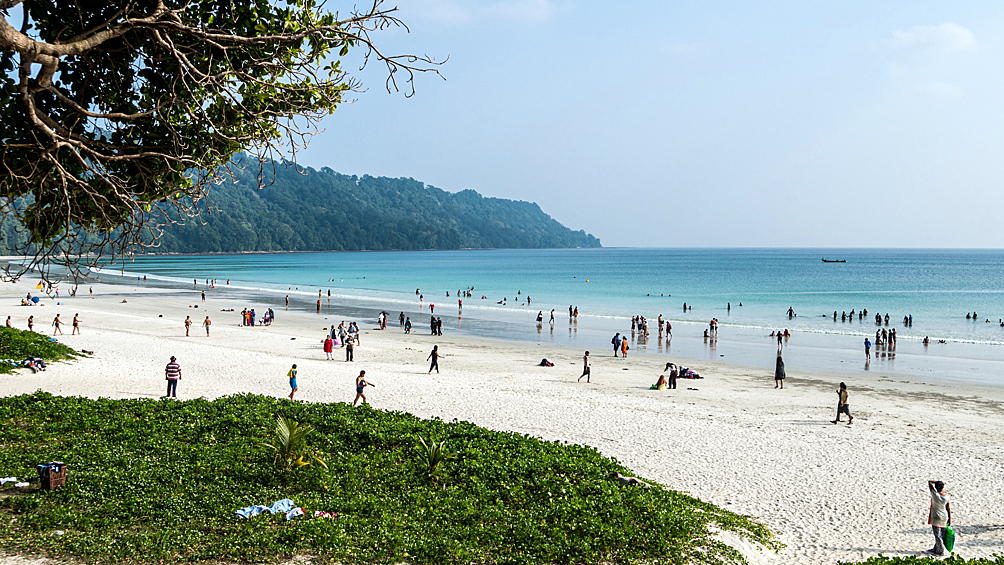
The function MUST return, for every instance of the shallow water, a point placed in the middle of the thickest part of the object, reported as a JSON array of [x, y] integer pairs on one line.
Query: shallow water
[[936, 287]]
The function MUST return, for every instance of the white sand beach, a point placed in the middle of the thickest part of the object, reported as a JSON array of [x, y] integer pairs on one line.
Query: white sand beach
[[830, 492]]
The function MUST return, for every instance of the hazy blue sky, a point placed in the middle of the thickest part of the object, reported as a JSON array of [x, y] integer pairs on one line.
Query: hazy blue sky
[[703, 123]]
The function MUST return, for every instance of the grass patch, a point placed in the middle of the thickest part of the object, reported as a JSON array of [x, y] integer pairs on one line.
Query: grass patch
[[913, 560], [160, 480], [17, 345]]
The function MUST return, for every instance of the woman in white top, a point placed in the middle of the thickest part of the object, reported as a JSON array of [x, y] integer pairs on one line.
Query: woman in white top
[[940, 516]]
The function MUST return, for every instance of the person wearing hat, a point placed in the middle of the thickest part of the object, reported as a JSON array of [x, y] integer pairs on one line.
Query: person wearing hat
[[173, 374]]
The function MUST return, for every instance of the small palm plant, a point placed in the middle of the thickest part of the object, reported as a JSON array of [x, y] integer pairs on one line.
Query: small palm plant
[[290, 445], [432, 454]]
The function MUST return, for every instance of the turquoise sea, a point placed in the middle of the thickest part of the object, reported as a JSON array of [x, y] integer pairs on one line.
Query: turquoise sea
[[937, 287]]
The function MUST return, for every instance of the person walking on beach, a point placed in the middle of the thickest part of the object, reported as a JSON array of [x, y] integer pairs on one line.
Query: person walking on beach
[[552, 317], [585, 368], [939, 516], [329, 345], [206, 325], [172, 373], [292, 382], [842, 406], [779, 374], [188, 324], [616, 342], [287, 302], [434, 356], [868, 349], [407, 325], [624, 347], [350, 344], [361, 385], [76, 325], [56, 323]]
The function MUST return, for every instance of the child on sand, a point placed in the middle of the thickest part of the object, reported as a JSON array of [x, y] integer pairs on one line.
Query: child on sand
[[434, 356], [292, 381], [842, 406], [361, 385]]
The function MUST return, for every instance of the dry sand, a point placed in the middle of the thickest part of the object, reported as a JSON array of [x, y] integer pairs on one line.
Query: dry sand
[[831, 492]]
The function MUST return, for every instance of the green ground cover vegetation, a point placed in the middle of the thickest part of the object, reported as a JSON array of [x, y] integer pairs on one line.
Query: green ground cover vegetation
[[915, 560], [159, 480], [17, 345]]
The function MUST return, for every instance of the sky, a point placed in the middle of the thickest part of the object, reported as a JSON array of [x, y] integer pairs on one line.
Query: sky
[[693, 124]]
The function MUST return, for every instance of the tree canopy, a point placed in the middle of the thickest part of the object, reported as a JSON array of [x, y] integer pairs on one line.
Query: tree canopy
[[117, 113], [326, 211]]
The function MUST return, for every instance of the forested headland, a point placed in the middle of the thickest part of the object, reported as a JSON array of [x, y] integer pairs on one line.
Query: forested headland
[[322, 210]]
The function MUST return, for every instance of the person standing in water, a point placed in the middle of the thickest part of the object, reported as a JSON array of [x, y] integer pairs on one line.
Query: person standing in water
[[779, 374], [842, 406], [585, 368], [939, 516], [434, 356], [868, 349], [361, 385], [292, 382]]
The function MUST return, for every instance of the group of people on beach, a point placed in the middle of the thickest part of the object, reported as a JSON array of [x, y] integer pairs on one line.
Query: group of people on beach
[[345, 336], [249, 317]]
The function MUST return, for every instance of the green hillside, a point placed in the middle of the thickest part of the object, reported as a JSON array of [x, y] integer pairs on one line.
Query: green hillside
[[327, 211]]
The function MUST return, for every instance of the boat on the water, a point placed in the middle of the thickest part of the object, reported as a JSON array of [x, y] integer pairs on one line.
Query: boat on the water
[[834, 260]]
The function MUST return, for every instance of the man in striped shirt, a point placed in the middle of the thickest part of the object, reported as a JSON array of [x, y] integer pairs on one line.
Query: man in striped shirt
[[172, 373]]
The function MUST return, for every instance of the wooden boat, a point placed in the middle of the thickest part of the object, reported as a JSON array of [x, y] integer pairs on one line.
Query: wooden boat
[[834, 260]]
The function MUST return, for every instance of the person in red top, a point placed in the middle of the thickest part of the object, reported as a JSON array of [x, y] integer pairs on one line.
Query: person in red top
[[173, 374], [328, 347]]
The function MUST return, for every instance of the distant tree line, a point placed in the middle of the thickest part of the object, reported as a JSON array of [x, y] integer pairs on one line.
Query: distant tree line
[[327, 211]]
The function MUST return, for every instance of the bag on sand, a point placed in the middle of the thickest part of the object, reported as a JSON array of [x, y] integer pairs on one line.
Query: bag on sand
[[949, 538]]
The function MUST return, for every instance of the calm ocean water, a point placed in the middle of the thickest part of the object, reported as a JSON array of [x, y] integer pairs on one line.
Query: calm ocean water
[[936, 287]]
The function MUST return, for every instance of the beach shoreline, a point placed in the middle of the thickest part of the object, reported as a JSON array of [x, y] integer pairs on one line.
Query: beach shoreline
[[831, 492]]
